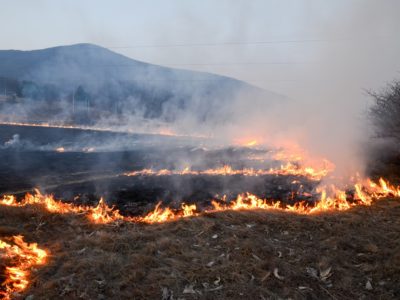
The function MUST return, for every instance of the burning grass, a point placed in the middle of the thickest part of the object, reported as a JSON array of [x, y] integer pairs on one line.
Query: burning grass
[[331, 198], [223, 255], [20, 258], [287, 169], [225, 251]]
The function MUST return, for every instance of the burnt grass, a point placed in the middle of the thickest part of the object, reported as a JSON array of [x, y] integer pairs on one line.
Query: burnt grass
[[87, 176], [227, 255]]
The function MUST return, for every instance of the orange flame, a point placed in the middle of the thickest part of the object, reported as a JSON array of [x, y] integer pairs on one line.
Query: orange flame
[[159, 215], [249, 141], [23, 257], [103, 214], [331, 199], [100, 214], [287, 169], [337, 201]]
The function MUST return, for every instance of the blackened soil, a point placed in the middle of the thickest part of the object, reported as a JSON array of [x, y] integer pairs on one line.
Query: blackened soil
[[87, 176]]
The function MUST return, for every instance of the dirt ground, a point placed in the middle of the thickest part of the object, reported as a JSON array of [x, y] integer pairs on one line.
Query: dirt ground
[[228, 255]]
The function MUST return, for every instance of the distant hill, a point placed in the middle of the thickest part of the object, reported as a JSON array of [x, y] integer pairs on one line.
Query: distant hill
[[91, 79]]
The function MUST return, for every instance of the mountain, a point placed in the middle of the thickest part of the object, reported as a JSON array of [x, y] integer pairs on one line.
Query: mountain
[[92, 79]]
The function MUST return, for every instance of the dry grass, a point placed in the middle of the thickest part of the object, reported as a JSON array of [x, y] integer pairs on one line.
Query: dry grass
[[230, 255]]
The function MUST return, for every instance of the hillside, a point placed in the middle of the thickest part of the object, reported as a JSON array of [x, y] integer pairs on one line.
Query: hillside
[[95, 82]]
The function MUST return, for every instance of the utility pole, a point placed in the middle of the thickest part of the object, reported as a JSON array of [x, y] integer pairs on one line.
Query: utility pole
[[73, 102]]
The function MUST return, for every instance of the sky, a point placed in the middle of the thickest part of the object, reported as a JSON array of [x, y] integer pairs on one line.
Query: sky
[[323, 55], [285, 45]]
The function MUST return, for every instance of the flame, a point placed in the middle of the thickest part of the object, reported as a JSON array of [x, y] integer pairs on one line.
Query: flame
[[23, 257], [383, 189], [166, 131], [251, 143], [331, 198], [100, 214], [159, 215], [290, 154], [103, 214], [286, 169], [54, 125], [247, 142], [161, 131], [60, 149]]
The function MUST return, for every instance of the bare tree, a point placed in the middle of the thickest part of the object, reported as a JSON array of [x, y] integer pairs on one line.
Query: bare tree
[[385, 112]]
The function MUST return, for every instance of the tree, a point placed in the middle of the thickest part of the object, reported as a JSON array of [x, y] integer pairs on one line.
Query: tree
[[385, 112], [81, 96]]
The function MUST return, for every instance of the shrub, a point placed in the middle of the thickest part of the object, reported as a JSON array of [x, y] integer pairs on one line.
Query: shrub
[[385, 112]]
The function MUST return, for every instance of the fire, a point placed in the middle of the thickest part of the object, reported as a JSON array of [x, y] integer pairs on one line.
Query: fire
[[247, 142], [226, 170], [159, 215], [331, 198], [47, 201], [251, 143], [292, 154], [161, 131], [54, 125], [295, 162], [100, 214], [166, 131], [383, 189], [22, 258], [103, 214]]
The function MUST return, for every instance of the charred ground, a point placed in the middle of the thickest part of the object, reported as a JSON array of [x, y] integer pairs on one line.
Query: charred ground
[[33, 162], [226, 255]]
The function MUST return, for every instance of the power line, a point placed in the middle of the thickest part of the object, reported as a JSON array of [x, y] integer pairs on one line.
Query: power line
[[232, 43], [236, 63], [160, 64]]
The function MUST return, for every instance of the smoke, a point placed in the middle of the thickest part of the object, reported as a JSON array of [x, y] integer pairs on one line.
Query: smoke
[[354, 50], [341, 49], [329, 114]]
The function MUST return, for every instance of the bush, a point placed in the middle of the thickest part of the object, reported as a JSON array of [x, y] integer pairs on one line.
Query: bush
[[385, 112]]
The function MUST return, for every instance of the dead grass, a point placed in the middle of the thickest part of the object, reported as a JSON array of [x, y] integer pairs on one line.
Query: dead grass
[[230, 255]]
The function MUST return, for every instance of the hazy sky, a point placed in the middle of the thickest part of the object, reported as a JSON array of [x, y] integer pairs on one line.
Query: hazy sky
[[285, 46], [323, 54]]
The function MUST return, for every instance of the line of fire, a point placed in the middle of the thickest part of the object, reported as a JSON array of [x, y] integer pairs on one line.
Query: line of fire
[[199, 150]]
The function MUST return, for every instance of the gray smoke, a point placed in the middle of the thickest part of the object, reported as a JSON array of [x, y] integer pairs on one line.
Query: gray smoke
[[338, 50]]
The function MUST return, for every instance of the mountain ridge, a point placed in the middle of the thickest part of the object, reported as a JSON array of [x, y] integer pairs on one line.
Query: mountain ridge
[[89, 78]]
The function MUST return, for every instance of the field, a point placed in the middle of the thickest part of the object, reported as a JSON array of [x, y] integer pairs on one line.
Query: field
[[228, 255], [34, 162], [258, 254]]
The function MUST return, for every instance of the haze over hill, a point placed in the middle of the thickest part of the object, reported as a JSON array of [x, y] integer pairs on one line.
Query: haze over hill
[[85, 83]]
